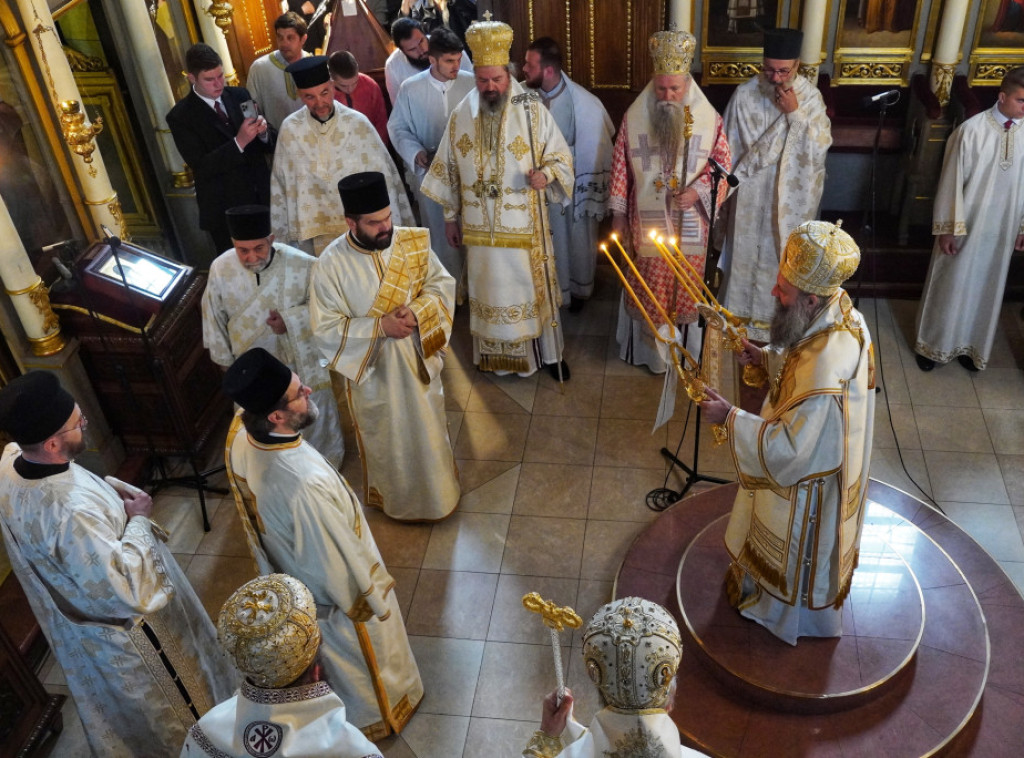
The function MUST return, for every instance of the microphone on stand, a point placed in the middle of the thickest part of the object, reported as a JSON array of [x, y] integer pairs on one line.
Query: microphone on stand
[[889, 97], [717, 167]]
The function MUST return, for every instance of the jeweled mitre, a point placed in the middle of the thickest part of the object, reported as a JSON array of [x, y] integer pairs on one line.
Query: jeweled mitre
[[819, 257], [489, 42], [672, 52]]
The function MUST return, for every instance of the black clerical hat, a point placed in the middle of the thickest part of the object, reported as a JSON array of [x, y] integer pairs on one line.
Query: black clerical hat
[[310, 71], [257, 380], [34, 407], [783, 44], [365, 192], [248, 222]]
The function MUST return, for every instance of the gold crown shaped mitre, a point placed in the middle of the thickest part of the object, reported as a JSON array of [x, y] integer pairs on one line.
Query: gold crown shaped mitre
[[268, 626], [672, 51], [489, 41], [819, 257]]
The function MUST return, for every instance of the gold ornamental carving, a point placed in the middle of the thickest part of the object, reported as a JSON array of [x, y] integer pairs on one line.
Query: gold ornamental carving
[[733, 70], [81, 63], [873, 70], [809, 72], [221, 13], [991, 73], [39, 296], [114, 206], [942, 80], [77, 133]]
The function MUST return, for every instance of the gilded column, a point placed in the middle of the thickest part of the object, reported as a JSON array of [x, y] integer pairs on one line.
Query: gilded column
[[680, 15], [947, 48], [29, 295], [79, 134], [813, 28], [159, 96], [214, 20]]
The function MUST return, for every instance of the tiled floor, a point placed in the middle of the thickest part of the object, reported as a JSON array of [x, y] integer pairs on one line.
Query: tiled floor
[[553, 491]]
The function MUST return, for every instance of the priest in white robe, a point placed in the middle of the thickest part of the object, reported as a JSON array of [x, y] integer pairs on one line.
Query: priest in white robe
[[779, 135], [500, 153], [661, 182], [284, 707], [978, 222], [316, 147], [257, 295], [138, 649], [417, 124], [381, 308], [794, 531], [301, 518], [588, 131], [631, 651]]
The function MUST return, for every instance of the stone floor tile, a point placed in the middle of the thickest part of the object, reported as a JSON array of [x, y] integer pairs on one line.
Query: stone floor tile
[[455, 604], [544, 547], [467, 542], [449, 669], [494, 495], [526, 675], [552, 489], [966, 477], [953, 429], [511, 622]]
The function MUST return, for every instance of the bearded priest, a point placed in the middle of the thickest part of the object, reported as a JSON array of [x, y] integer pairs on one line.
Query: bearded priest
[[795, 527]]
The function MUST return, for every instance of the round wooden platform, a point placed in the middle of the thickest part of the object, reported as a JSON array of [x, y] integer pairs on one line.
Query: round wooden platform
[[930, 662]]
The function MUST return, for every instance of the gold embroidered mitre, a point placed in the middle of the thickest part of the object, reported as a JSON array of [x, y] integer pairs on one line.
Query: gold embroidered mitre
[[632, 649], [489, 41], [268, 626], [672, 52], [819, 257]]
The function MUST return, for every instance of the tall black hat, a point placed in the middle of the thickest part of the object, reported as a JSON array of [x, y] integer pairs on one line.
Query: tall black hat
[[783, 44], [310, 71], [257, 380], [34, 407], [365, 192], [248, 222]]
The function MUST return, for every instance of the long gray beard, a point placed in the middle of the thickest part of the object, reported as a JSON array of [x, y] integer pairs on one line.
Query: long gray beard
[[790, 324], [667, 123], [497, 108]]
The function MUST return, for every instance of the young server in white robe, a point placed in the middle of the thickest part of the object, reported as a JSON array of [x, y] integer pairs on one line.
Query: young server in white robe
[[425, 102], [138, 650], [978, 222], [301, 518], [284, 707], [381, 307]]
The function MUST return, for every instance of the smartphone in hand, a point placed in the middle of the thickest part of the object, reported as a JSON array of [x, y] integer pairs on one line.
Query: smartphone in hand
[[249, 109]]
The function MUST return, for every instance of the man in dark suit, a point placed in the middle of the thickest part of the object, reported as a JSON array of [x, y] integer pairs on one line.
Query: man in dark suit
[[229, 154]]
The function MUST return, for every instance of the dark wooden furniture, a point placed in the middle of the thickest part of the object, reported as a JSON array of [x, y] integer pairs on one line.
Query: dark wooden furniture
[[27, 711], [159, 389]]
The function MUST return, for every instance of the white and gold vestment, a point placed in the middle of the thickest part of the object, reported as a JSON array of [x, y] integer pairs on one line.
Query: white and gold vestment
[[480, 177], [301, 518], [802, 465], [310, 159], [779, 159], [236, 304], [307, 720], [393, 386], [116, 608]]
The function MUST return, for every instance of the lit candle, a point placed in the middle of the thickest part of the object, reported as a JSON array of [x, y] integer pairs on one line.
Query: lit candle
[[629, 289], [636, 273], [699, 279]]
